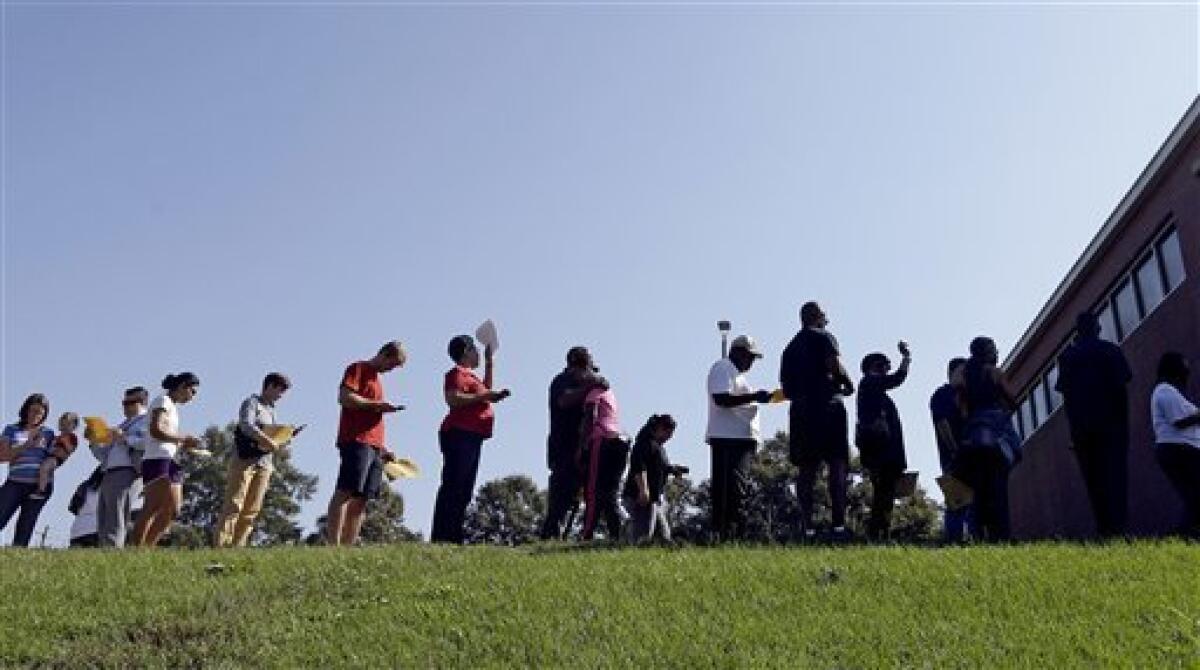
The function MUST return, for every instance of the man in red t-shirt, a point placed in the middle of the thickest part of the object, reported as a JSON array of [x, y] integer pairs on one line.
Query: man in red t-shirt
[[461, 437], [360, 442]]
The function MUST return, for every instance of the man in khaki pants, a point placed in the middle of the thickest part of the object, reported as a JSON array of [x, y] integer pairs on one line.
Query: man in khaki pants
[[251, 464]]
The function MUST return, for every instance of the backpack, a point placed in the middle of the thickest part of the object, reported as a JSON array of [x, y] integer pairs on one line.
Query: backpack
[[247, 447]]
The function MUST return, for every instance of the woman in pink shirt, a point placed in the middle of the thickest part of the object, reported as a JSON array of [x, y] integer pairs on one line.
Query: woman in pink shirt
[[605, 454]]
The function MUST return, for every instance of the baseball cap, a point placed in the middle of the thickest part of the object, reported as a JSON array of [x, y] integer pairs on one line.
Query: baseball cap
[[746, 342]]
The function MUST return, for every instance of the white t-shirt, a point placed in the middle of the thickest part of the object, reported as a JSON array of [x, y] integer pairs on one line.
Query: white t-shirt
[[85, 521], [155, 448], [737, 423], [1167, 405]]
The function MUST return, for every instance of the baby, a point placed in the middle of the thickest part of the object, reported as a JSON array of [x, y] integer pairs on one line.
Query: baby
[[64, 445]]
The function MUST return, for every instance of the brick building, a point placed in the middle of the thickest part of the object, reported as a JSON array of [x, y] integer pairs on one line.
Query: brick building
[[1141, 274]]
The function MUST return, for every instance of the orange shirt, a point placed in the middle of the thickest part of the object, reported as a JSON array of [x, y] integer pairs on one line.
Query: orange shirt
[[478, 418], [359, 425]]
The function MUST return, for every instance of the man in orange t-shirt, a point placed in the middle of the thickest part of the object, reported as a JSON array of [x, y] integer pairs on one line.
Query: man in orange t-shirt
[[360, 442]]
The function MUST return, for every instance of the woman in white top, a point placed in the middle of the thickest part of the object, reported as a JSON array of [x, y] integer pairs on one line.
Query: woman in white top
[[1177, 435], [161, 474]]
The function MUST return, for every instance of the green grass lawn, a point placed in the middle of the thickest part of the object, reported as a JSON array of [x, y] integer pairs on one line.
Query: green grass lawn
[[1037, 606]]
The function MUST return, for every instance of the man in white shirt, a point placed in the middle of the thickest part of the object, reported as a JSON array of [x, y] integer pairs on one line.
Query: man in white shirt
[[733, 434], [119, 460], [1177, 435]]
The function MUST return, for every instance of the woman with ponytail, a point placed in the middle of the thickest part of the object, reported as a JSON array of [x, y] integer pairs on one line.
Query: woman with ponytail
[[161, 475], [647, 481]]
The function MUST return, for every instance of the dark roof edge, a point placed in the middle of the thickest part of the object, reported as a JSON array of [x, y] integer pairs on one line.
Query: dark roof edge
[[1189, 124]]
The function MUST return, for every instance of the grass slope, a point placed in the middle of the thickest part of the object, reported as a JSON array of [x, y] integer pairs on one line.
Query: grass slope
[[1043, 606]]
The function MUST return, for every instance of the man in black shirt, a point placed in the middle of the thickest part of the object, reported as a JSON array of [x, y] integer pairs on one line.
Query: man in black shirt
[[814, 380], [567, 393], [1092, 378]]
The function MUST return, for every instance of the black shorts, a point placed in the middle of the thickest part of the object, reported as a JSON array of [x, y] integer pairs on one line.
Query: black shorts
[[361, 470], [818, 432]]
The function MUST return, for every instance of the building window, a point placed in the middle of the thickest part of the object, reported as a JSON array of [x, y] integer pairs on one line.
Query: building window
[[1040, 410], [1128, 316], [1172, 260], [1056, 399], [1016, 421], [1108, 324], [1149, 283], [1027, 418]]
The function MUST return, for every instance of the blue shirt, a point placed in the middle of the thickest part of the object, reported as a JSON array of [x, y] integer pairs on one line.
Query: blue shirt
[[943, 406], [24, 468]]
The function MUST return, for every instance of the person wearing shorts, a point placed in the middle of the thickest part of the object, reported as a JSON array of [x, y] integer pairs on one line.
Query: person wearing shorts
[[814, 380], [160, 470], [360, 442]]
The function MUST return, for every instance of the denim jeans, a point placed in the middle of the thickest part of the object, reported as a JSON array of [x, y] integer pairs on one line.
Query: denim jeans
[[14, 497]]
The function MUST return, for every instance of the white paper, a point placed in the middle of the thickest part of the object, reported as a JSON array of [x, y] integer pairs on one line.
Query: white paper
[[487, 335]]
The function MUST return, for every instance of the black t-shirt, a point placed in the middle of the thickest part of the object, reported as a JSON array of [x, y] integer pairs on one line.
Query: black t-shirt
[[983, 394], [1092, 378], [804, 367], [650, 457], [564, 421], [873, 401]]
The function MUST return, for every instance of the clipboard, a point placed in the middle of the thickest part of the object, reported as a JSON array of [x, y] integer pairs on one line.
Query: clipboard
[[956, 493], [906, 486]]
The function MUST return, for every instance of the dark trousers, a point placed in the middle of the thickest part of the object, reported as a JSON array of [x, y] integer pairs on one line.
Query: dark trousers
[[883, 500], [89, 541], [806, 483], [564, 488], [1181, 464], [460, 465], [1103, 462], [986, 472], [14, 497], [730, 485], [607, 461], [819, 433]]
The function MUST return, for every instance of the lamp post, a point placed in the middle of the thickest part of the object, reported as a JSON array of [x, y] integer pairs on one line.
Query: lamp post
[[724, 327]]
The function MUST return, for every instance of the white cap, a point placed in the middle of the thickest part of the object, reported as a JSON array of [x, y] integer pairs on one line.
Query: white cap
[[746, 342]]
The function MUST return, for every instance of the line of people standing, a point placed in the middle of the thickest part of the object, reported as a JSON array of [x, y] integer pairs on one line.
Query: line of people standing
[[588, 452]]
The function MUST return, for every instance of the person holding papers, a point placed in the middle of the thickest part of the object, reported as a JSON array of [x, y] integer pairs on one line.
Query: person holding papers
[[256, 439], [119, 451], [468, 423]]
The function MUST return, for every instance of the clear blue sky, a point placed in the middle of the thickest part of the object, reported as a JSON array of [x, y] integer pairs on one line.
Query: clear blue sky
[[238, 189]]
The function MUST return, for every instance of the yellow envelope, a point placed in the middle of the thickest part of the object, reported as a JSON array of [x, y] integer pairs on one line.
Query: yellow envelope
[[401, 468], [956, 493], [281, 434], [778, 397], [97, 430]]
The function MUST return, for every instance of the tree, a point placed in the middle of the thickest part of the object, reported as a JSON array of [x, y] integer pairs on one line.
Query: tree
[[506, 512], [204, 492], [384, 523]]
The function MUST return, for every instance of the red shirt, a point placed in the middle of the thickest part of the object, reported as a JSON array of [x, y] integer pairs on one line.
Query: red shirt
[[475, 418], [358, 425]]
